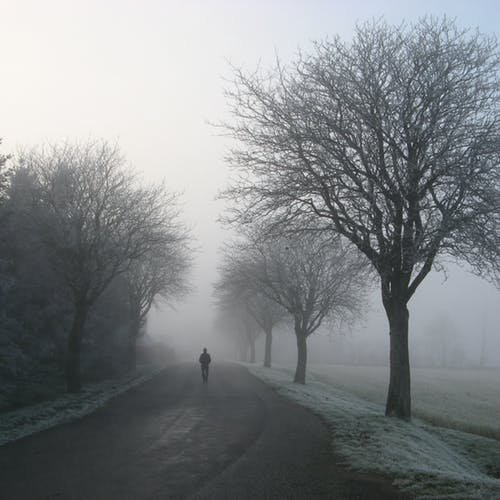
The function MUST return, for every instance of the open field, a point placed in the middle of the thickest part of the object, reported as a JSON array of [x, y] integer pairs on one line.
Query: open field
[[467, 399], [421, 459]]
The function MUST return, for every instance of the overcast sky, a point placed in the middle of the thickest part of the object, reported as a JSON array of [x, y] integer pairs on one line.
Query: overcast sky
[[150, 74]]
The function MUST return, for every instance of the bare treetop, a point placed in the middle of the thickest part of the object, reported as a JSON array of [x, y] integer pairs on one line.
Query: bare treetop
[[96, 222], [313, 277], [391, 140]]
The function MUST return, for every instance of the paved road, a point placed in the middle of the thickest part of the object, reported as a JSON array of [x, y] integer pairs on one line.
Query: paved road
[[175, 438]]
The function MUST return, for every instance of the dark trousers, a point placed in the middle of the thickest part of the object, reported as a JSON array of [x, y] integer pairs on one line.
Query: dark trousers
[[204, 372]]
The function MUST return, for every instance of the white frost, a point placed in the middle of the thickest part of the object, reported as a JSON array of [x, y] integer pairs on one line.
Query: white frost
[[25, 421], [464, 399], [427, 461]]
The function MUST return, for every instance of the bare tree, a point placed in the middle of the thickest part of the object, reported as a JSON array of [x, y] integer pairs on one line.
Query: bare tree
[[392, 141], [250, 330], [228, 323], [267, 313], [233, 302], [312, 277], [233, 283], [93, 219], [160, 272]]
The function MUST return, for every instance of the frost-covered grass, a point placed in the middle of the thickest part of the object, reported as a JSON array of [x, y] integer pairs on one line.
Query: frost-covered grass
[[467, 399], [424, 460], [23, 422]]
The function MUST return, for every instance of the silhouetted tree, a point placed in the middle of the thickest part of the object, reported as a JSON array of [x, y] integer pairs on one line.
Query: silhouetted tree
[[392, 141], [34, 309], [93, 220], [267, 313], [234, 314], [312, 277], [226, 323], [160, 272], [233, 285]]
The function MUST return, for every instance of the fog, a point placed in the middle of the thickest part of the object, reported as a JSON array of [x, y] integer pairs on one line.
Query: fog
[[453, 323], [151, 75]]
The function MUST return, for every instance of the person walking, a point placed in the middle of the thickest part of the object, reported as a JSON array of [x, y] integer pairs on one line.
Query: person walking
[[205, 360]]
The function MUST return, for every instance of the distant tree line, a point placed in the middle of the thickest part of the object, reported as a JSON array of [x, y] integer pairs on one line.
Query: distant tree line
[[85, 250], [388, 145], [302, 279]]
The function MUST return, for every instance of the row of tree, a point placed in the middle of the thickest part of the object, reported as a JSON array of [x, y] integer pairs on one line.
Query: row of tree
[[391, 143], [303, 279], [86, 248]]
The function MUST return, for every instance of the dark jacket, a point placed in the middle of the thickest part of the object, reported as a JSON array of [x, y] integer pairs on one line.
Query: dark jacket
[[205, 358]]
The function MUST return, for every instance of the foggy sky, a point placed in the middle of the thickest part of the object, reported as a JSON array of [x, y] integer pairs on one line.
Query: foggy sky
[[150, 74]]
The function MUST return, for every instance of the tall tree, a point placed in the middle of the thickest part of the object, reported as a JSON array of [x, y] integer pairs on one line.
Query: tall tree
[[235, 314], [160, 272], [392, 141], [267, 313], [228, 324], [314, 278], [234, 285], [93, 219]]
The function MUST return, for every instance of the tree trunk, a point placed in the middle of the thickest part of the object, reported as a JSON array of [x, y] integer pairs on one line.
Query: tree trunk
[[399, 397], [267, 352], [300, 372], [252, 351], [73, 375]]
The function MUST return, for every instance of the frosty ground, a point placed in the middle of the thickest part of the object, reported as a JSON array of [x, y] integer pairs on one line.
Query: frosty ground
[[424, 460], [462, 399], [25, 421]]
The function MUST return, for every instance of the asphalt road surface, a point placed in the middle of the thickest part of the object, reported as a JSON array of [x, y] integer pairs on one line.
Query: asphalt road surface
[[174, 438]]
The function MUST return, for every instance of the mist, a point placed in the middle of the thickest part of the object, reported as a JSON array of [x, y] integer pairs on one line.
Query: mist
[[152, 78], [453, 322], [176, 114]]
